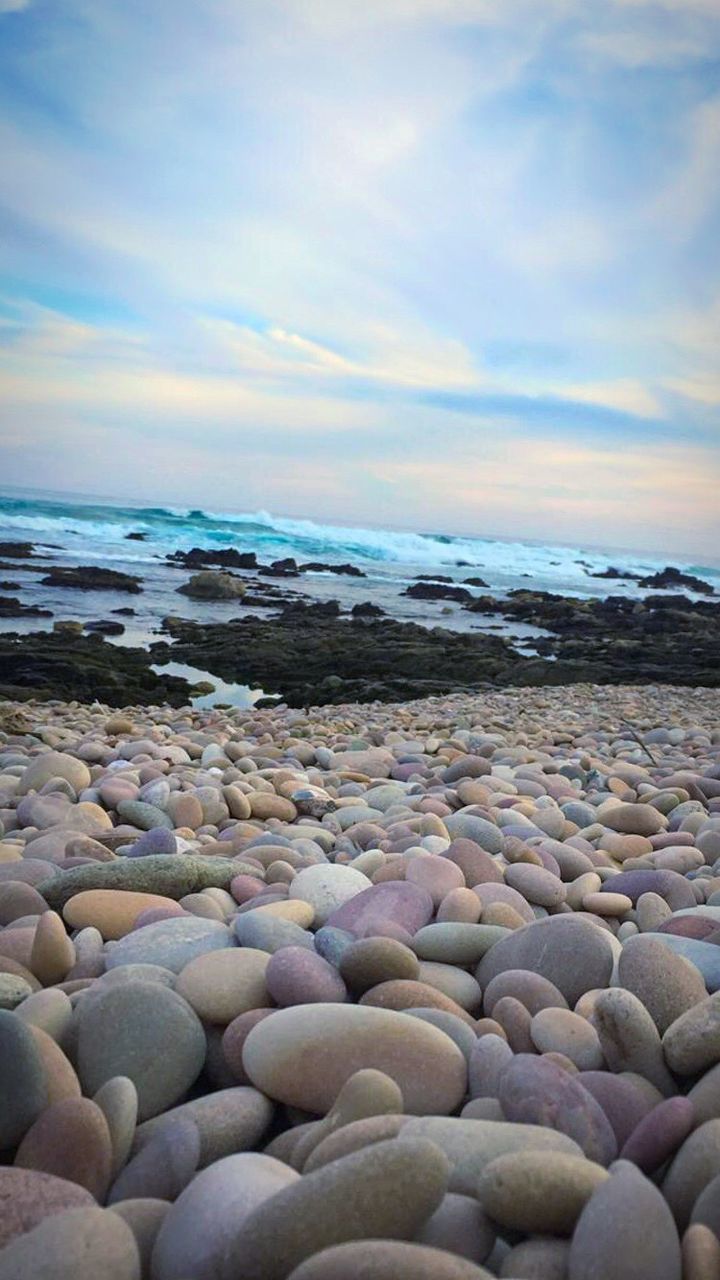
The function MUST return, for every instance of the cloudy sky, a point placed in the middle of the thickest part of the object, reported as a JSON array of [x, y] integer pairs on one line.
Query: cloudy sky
[[444, 264]]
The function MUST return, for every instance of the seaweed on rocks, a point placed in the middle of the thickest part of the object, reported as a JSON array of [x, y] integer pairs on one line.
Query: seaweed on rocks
[[224, 557], [43, 665], [666, 639], [87, 577], [11, 607]]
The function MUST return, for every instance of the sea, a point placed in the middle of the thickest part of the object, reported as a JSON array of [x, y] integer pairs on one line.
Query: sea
[[75, 530]]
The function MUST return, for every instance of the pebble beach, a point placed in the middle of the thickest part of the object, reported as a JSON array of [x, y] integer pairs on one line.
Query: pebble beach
[[393, 991]]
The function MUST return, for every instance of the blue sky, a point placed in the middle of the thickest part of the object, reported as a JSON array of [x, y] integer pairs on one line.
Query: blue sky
[[444, 264]]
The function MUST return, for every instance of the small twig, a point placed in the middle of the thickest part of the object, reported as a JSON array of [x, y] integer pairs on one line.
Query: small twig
[[641, 744]]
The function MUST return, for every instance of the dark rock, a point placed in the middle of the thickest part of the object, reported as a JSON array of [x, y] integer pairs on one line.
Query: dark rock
[[671, 577], [105, 627], [92, 578], [136, 537], [437, 591], [475, 582], [43, 665], [367, 610], [11, 607], [227, 558], [318, 566], [17, 550]]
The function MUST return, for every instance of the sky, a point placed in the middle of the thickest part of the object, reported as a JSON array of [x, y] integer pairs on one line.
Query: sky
[[436, 264]]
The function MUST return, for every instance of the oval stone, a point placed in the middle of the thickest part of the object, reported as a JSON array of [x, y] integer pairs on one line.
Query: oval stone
[[535, 1091], [538, 1191], [220, 1199], [573, 954], [303, 1056], [384, 1191], [628, 1225], [407, 905], [146, 1032]]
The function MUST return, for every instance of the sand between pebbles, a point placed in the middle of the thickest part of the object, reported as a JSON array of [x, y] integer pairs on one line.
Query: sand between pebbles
[[417, 990]]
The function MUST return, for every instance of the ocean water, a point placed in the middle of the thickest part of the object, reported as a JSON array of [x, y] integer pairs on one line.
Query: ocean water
[[74, 530]]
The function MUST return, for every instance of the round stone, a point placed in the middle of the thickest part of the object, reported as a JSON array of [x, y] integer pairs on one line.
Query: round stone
[[27, 1197], [535, 884], [659, 1134], [407, 905], [70, 1139], [691, 1044], [387, 1260], [298, 976], [561, 1031], [633, 819], [573, 954], [146, 1032], [228, 1121], [220, 1198], [470, 1145], [369, 961], [531, 989], [77, 1244], [387, 1190], [169, 943], [222, 984], [326, 887], [667, 984], [538, 1191], [303, 1056], [23, 1083], [435, 874], [118, 1101], [628, 1225], [535, 1091], [112, 911], [54, 764]]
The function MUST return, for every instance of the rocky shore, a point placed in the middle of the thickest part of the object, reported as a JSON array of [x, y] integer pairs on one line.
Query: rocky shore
[[424, 990]]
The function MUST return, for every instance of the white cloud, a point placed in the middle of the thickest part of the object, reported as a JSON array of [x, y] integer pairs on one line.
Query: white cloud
[[643, 48], [14, 6]]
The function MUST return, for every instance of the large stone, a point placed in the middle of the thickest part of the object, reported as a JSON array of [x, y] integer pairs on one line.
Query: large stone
[[387, 1260], [112, 911], [303, 1056], [27, 1197], [386, 1191], [170, 943], [457, 943], [212, 584], [218, 1200], [77, 1244], [629, 1038], [538, 1191], [220, 985], [536, 1091], [695, 1165], [471, 1145], [70, 1139], [692, 1043], [146, 1032], [326, 887], [574, 954], [298, 976], [23, 1083], [54, 764], [174, 877], [667, 984], [228, 1121], [625, 1231], [404, 904]]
